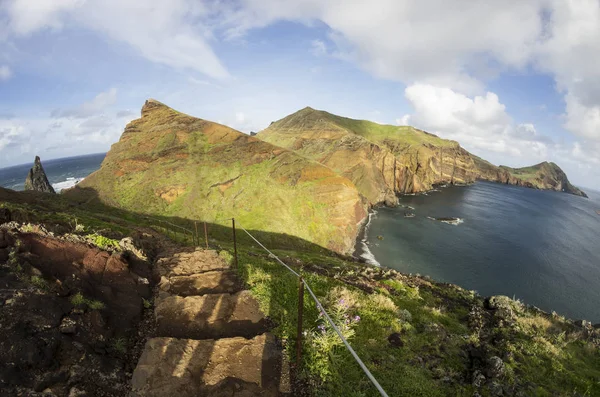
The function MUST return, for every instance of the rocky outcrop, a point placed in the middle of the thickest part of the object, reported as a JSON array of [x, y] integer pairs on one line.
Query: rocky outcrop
[[211, 339], [36, 178], [168, 163], [381, 160], [545, 176]]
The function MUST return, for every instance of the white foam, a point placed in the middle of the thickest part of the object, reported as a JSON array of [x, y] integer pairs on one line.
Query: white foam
[[367, 255], [69, 183], [454, 222]]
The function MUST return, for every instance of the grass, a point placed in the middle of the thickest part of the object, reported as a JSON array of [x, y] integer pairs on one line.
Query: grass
[[210, 172], [79, 300], [102, 242], [433, 321]]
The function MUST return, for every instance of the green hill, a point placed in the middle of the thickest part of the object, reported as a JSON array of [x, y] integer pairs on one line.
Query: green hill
[[168, 163], [546, 176], [381, 160]]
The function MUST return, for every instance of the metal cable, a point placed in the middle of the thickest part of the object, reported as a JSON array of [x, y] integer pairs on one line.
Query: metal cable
[[329, 320], [270, 253]]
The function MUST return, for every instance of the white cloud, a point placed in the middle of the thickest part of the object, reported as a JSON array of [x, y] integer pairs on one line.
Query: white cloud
[[404, 120], [457, 44], [97, 105], [240, 117], [5, 73], [318, 47], [430, 41], [174, 33], [581, 119], [478, 123]]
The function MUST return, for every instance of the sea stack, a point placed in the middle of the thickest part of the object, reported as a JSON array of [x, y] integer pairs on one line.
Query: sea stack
[[36, 178]]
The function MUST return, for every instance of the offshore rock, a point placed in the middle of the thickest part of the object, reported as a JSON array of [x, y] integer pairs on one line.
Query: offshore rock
[[37, 179]]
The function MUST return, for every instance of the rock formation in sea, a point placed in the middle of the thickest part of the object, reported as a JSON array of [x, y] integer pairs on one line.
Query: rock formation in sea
[[37, 179]]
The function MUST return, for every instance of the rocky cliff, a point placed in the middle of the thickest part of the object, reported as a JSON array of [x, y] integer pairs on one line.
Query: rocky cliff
[[381, 160], [546, 176], [36, 178], [169, 163]]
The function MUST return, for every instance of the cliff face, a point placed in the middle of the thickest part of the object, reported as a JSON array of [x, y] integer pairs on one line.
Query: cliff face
[[36, 178], [381, 160], [545, 176], [169, 163]]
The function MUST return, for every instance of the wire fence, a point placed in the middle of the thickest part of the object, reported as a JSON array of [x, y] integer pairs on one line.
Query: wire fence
[[304, 284], [194, 237]]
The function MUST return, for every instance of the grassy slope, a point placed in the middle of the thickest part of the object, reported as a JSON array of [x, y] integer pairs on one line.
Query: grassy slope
[[168, 163], [546, 175], [545, 355], [377, 158]]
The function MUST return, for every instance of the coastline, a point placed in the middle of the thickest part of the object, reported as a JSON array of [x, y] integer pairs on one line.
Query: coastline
[[361, 249]]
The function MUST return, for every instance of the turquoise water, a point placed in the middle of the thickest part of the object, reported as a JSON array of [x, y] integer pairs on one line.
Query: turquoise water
[[542, 247], [62, 173]]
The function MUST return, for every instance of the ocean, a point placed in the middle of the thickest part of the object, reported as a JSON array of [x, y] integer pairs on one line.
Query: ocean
[[62, 173], [538, 246]]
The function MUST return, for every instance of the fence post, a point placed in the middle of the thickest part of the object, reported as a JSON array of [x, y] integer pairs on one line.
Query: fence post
[[300, 315], [205, 236], [234, 243], [197, 239]]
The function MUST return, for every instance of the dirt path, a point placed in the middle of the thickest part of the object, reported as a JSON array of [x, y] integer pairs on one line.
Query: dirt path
[[211, 337]]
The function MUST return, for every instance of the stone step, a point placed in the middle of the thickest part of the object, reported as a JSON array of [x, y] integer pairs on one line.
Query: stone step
[[209, 316], [189, 263], [223, 367], [200, 284]]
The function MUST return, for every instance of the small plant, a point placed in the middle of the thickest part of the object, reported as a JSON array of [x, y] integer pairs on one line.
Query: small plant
[[102, 242], [226, 256], [120, 345], [78, 299], [95, 304], [39, 282], [28, 228], [147, 303], [323, 341], [77, 227], [12, 258]]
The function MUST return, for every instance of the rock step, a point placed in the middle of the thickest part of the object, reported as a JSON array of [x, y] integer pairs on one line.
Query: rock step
[[209, 316], [189, 263], [217, 282], [224, 367]]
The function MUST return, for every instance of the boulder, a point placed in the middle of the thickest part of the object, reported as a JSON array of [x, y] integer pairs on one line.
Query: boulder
[[495, 367], [395, 340], [37, 179]]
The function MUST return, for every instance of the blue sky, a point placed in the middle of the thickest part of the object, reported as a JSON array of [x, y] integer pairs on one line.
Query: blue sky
[[515, 83]]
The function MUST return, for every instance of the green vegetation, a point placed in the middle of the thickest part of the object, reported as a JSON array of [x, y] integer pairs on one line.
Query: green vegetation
[[437, 325], [39, 282], [102, 242], [79, 300], [190, 168], [120, 345]]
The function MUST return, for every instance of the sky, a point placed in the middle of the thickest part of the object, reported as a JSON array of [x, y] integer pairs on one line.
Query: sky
[[516, 82]]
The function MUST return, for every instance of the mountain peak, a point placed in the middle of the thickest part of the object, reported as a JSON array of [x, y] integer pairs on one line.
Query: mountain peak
[[151, 105], [37, 179]]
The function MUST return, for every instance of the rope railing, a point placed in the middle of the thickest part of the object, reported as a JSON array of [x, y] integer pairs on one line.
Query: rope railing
[[304, 284]]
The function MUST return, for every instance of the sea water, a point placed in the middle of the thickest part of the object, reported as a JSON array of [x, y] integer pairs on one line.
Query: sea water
[[542, 247], [62, 173]]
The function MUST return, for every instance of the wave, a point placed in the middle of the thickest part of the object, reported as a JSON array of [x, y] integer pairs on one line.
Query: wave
[[66, 184], [449, 221], [366, 254]]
